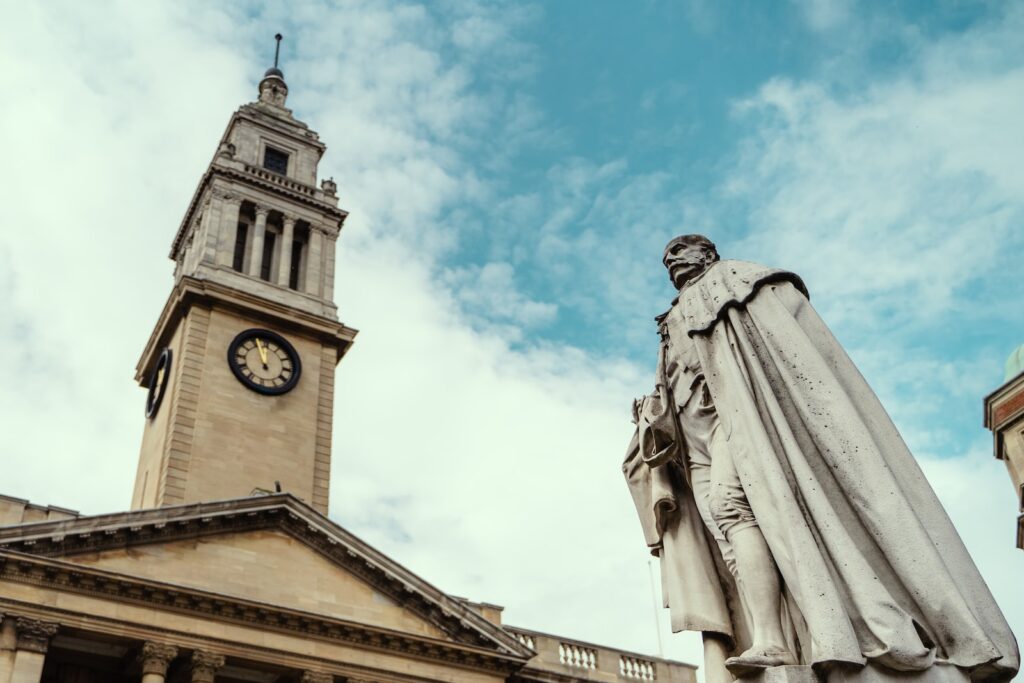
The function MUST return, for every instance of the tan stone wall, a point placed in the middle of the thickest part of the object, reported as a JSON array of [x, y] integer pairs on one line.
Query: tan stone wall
[[245, 440], [19, 511], [266, 566], [215, 439], [154, 434], [250, 141]]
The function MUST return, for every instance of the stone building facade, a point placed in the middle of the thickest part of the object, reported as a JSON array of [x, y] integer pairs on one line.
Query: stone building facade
[[227, 568], [1004, 416]]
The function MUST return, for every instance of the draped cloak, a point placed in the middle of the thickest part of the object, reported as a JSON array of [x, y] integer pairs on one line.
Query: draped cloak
[[873, 568]]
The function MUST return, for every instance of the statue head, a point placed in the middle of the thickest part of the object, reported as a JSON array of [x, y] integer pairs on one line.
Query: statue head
[[687, 256]]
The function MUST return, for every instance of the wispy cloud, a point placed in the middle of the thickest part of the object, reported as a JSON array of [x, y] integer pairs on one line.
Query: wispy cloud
[[482, 414]]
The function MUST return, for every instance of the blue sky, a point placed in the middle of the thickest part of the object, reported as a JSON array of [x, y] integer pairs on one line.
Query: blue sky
[[513, 171]]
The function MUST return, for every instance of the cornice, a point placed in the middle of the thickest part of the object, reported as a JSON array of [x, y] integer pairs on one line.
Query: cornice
[[282, 512], [232, 648], [190, 290], [998, 415], [68, 577]]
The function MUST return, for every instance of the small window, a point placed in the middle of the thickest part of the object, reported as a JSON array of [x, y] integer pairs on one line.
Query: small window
[[293, 273], [275, 160], [268, 255], [240, 236]]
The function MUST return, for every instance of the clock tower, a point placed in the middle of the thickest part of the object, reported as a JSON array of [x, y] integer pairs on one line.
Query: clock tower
[[240, 366]]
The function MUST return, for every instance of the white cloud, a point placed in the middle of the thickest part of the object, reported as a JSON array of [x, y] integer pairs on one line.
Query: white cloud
[[489, 467], [490, 291], [824, 15], [502, 479], [908, 185]]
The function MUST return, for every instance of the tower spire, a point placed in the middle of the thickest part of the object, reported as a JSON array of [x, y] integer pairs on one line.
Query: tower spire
[[273, 89]]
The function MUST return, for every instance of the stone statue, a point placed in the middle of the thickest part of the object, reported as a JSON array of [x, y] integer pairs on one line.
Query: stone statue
[[793, 525]]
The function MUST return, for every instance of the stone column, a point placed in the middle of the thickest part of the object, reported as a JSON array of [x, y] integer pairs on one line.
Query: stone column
[[8, 646], [332, 241], [228, 230], [33, 642], [155, 658], [317, 677], [256, 251], [314, 255], [205, 666], [284, 266]]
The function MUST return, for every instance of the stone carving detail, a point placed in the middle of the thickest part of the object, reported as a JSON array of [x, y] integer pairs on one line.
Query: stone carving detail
[[273, 91], [317, 677], [785, 508], [156, 657], [152, 528], [225, 195], [226, 150], [34, 635], [329, 186], [205, 666], [262, 211]]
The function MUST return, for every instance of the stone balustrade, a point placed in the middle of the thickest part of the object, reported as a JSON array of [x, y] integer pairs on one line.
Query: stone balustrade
[[578, 656], [590, 662], [636, 668], [278, 179]]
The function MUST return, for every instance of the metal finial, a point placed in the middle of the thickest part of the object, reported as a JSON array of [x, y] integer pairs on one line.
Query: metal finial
[[277, 50]]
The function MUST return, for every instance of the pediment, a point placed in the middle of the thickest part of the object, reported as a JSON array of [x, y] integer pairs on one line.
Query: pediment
[[271, 550], [267, 566]]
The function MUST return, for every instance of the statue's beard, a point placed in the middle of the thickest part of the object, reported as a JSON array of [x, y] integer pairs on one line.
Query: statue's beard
[[683, 270]]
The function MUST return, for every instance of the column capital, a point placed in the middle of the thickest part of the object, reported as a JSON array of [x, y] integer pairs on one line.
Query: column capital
[[205, 666], [262, 211], [156, 657], [317, 677], [34, 634], [286, 219]]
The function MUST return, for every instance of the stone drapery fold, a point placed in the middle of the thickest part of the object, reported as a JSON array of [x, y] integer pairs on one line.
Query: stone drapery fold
[[873, 567]]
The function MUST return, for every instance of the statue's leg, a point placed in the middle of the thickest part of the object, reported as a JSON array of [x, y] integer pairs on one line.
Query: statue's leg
[[757, 575]]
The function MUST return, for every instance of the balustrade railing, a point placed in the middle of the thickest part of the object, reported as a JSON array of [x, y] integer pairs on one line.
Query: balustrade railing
[[525, 639], [279, 179], [577, 656], [636, 668]]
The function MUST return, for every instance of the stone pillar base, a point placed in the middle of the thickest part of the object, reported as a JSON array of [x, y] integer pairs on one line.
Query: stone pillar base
[[939, 673], [788, 674]]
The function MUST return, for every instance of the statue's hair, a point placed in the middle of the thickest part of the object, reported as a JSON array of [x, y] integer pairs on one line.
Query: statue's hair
[[699, 240]]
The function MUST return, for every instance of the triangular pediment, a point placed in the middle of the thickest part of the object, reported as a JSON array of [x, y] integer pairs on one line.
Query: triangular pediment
[[267, 566], [271, 550]]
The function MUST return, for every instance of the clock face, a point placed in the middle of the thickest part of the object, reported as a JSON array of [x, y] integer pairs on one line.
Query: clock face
[[264, 361], [158, 380]]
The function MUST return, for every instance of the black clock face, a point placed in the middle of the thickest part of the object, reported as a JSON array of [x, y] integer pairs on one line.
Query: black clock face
[[158, 380], [264, 361]]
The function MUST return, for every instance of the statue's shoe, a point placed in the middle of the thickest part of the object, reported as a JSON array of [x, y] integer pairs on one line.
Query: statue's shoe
[[754, 661]]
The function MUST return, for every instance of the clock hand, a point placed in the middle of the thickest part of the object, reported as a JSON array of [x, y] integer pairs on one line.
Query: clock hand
[[263, 352]]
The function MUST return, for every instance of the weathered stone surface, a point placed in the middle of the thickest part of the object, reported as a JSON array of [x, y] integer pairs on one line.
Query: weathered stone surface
[[34, 634], [761, 433], [156, 657], [940, 673]]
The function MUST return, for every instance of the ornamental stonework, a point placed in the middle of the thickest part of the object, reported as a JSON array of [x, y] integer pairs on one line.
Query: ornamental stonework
[[34, 635], [156, 657], [205, 666]]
